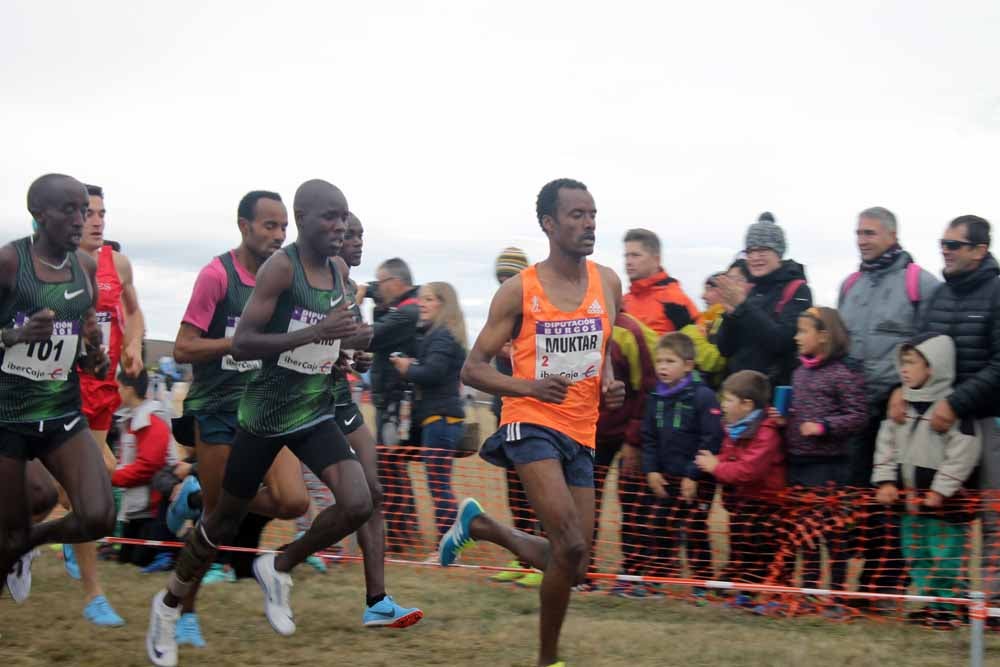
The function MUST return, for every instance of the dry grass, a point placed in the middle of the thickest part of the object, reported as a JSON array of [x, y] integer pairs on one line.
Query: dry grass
[[468, 622]]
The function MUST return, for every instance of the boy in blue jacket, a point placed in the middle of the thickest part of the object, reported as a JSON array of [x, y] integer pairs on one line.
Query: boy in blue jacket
[[682, 417]]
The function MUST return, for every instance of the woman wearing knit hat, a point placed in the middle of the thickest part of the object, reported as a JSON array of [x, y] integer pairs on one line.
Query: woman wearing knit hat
[[758, 331]]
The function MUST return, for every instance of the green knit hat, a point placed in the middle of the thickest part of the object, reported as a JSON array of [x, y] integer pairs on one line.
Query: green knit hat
[[510, 263]]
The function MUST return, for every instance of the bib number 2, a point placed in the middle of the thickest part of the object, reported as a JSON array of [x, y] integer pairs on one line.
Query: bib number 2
[[572, 349]]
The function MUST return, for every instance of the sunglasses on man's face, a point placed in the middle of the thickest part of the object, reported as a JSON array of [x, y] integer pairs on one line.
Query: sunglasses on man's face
[[949, 244]]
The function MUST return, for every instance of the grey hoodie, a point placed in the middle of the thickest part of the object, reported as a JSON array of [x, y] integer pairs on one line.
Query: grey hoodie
[[914, 453]]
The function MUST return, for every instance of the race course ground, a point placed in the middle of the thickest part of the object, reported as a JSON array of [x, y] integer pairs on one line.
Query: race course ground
[[468, 622]]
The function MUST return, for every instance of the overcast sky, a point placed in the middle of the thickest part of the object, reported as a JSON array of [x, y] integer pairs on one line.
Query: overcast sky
[[441, 121]]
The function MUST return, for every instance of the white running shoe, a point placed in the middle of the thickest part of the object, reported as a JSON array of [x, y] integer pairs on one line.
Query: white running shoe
[[19, 578], [161, 639], [277, 587]]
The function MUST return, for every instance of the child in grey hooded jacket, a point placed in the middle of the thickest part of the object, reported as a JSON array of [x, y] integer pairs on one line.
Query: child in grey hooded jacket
[[931, 468]]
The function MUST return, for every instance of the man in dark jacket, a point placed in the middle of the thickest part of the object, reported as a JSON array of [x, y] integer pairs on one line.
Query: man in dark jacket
[[967, 308], [394, 330], [758, 330]]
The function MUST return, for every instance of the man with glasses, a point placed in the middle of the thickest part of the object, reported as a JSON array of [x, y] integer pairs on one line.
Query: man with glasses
[[395, 330], [967, 308], [880, 304]]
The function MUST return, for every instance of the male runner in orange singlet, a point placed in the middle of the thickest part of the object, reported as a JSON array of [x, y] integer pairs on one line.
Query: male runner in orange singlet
[[558, 314]]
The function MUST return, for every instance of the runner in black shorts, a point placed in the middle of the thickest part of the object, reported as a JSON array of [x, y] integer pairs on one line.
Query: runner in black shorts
[[205, 340], [380, 609], [47, 289], [294, 321]]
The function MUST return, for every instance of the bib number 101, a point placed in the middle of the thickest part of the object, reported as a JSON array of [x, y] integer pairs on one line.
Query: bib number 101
[[43, 350]]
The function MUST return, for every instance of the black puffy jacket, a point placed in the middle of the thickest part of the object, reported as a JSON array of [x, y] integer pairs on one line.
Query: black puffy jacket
[[756, 336], [967, 308], [435, 376]]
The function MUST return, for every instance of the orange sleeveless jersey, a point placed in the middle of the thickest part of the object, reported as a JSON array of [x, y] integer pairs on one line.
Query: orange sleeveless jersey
[[555, 342]]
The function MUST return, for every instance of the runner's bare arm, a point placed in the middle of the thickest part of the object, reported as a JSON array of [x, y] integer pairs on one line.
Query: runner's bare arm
[[478, 372], [250, 341], [135, 322], [8, 280], [190, 346], [8, 270]]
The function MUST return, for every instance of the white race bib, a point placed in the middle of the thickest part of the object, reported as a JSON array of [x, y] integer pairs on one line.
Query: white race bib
[[571, 348], [230, 364], [48, 360], [312, 358], [104, 322]]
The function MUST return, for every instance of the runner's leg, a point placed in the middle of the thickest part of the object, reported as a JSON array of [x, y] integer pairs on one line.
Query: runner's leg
[[250, 457], [15, 514], [43, 492], [212, 460], [284, 495], [354, 507], [86, 481], [86, 552], [371, 536], [568, 523]]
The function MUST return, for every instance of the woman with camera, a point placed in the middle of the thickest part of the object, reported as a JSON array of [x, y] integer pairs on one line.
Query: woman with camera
[[438, 411]]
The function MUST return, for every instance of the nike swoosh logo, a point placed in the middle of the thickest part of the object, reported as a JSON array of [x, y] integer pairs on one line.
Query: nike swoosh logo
[[384, 614], [69, 427], [72, 295], [334, 302], [348, 422]]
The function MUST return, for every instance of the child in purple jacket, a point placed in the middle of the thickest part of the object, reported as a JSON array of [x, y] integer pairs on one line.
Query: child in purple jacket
[[829, 407]]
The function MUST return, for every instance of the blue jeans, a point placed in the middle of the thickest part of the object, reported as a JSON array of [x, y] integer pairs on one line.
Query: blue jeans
[[437, 437]]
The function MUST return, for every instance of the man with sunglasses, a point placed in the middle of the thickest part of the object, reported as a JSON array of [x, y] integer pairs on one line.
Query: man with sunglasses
[[880, 304], [967, 308]]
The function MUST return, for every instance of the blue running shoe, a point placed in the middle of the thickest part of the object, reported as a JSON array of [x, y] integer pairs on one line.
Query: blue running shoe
[[189, 631], [621, 589], [100, 612], [164, 562], [316, 562], [387, 614], [457, 539], [179, 510], [218, 574], [69, 561], [741, 601]]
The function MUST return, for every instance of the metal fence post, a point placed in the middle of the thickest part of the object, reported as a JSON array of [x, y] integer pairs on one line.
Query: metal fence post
[[977, 621]]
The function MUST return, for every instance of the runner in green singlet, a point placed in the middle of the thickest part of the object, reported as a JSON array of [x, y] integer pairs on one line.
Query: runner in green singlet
[[294, 322], [380, 609], [47, 289], [205, 339]]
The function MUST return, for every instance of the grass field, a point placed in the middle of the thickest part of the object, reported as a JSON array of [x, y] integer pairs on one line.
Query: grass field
[[468, 622]]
